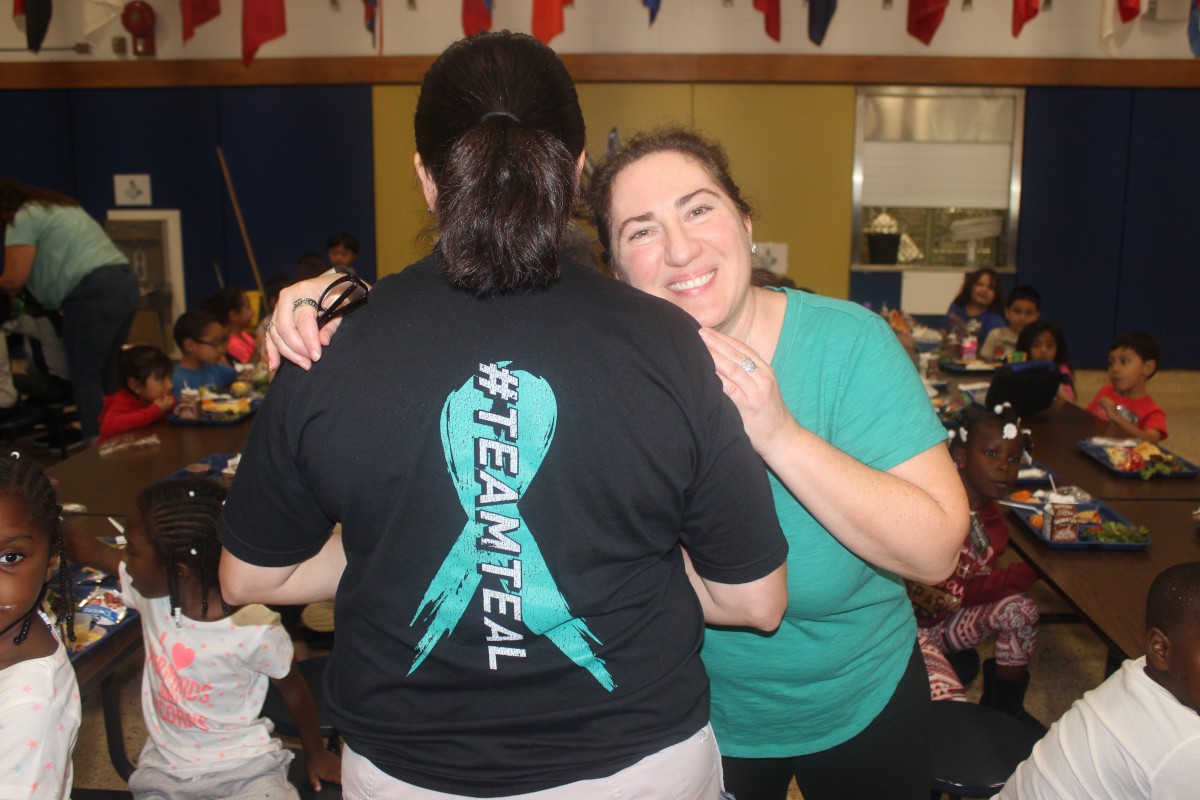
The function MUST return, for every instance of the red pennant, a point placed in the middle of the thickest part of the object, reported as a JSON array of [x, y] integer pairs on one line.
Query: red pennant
[[1023, 11], [476, 16], [1129, 9], [770, 10], [548, 18], [196, 13], [924, 18], [262, 21]]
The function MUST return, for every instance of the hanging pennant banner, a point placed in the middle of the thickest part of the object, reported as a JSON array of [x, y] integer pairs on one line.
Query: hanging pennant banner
[[1193, 29], [1023, 11], [197, 12], [262, 21], [820, 14], [98, 13], [771, 19], [925, 17], [653, 5], [476, 16], [548, 18], [33, 17]]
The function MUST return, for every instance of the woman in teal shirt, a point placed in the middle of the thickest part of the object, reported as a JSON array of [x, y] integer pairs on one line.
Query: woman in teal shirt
[[68, 263], [864, 487]]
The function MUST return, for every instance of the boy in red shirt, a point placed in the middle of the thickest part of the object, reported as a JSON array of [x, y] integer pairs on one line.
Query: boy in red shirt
[[1133, 359], [145, 393]]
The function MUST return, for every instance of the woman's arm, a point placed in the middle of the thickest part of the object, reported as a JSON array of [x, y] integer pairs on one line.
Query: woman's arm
[[294, 335], [297, 584], [757, 604], [910, 520], [18, 263]]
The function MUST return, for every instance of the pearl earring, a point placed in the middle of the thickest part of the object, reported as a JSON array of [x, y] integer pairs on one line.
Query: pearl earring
[[753, 248]]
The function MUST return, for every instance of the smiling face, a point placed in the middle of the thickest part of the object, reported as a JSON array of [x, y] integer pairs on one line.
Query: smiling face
[[677, 235], [989, 463], [24, 566], [983, 293], [1128, 373]]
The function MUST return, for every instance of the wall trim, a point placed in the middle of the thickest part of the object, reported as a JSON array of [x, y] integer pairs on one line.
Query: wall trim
[[600, 67]]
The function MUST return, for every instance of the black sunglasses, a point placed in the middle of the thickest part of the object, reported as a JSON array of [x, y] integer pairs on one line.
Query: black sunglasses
[[343, 295]]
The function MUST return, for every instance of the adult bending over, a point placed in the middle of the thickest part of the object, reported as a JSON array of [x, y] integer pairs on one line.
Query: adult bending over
[[863, 484], [518, 450], [68, 262]]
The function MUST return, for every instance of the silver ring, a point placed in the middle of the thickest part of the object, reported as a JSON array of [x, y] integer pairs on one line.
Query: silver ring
[[305, 301], [748, 364], [267, 328]]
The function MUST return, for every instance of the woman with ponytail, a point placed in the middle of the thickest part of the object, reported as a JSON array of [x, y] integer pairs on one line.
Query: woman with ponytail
[[536, 474]]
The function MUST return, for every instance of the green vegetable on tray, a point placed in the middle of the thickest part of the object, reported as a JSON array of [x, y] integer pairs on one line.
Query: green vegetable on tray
[[1118, 533]]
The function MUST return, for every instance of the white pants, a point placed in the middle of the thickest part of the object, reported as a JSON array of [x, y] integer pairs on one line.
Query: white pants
[[690, 770]]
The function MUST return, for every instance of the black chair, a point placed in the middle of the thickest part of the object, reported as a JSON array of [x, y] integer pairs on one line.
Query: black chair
[[974, 748], [20, 421], [313, 672]]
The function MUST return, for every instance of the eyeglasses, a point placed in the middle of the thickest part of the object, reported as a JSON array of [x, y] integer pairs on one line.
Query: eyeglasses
[[344, 295]]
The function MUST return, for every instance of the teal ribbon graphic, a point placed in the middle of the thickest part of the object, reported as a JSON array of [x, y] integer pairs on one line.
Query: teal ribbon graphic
[[496, 430]]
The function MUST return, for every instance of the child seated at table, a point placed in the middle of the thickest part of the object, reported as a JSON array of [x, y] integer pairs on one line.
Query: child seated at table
[[39, 698], [1137, 735], [1133, 358], [981, 600], [1023, 307], [231, 307], [201, 340], [144, 373], [207, 665], [979, 305], [1044, 341]]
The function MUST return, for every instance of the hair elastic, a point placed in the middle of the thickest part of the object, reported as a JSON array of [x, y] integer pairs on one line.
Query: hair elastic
[[508, 114]]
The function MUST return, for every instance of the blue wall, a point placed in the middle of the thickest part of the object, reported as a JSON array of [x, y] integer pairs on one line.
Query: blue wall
[[301, 160]]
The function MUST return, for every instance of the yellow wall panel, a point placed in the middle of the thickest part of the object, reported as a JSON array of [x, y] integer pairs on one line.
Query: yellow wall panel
[[631, 107], [400, 216], [791, 148]]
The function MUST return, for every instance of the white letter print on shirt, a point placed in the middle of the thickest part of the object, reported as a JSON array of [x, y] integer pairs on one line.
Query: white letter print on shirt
[[496, 430]]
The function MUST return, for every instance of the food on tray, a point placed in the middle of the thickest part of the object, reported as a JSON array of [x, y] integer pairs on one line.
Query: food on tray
[[1058, 521], [224, 404], [1145, 459], [240, 388], [1117, 532], [85, 637], [1088, 517], [1023, 496], [105, 605], [897, 321]]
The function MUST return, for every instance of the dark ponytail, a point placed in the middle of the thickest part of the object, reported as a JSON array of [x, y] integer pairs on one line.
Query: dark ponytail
[[499, 131]]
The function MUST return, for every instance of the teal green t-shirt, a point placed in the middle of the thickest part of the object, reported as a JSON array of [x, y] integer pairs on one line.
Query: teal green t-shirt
[[70, 245], [848, 632]]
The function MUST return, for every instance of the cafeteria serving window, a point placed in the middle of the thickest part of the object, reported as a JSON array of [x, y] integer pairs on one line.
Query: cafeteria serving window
[[937, 180]]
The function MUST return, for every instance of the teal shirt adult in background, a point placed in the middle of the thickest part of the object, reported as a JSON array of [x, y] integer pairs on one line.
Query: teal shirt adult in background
[[848, 632], [70, 245]]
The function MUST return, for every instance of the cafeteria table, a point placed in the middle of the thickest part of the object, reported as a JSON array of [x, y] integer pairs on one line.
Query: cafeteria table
[[1107, 588], [1055, 433], [109, 485], [94, 666]]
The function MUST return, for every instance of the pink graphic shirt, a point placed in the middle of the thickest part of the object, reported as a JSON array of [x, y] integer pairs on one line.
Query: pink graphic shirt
[[39, 718], [204, 684]]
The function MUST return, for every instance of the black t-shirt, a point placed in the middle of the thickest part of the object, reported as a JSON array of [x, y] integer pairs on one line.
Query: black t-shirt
[[514, 476]]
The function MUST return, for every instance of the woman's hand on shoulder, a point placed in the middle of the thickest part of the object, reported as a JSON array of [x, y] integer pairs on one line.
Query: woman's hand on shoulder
[[754, 391], [292, 333]]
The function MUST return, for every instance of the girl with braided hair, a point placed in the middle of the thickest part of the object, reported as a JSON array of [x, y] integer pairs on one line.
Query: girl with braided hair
[[39, 698], [207, 664], [982, 599]]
